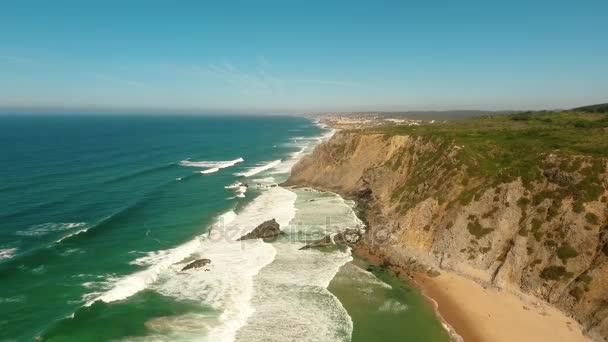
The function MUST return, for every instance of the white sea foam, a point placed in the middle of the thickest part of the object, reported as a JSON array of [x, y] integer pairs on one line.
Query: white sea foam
[[50, 227], [265, 180], [138, 281], [285, 287], [291, 292], [258, 169], [327, 135], [14, 299], [212, 166], [213, 170], [319, 124], [241, 191], [234, 185], [393, 306], [239, 188], [7, 253], [227, 285], [226, 218], [71, 251], [80, 231], [296, 155]]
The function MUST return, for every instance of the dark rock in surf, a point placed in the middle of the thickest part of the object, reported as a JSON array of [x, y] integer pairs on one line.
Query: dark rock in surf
[[197, 264], [324, 242], [348, 237], [268, 231]]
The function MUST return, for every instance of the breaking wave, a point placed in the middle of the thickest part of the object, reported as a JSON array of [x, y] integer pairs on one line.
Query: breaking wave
[[211, 166], [227, 283], [47, 228], [7, 253], [258, 169], [239, 188]]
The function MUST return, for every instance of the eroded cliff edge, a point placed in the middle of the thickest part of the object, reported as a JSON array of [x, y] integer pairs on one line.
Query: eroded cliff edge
[[544, 232]]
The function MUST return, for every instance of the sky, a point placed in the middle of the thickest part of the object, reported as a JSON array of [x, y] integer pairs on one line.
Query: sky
[[302, 55]]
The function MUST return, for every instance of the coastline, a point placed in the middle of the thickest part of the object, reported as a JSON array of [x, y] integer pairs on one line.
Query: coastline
[[469, 309], [474, 313]]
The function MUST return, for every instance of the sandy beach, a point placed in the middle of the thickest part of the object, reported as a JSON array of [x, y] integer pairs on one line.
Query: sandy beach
[[481, 314]]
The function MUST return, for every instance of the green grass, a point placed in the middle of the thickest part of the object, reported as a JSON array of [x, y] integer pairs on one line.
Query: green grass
[[497, 149], [509, 144]]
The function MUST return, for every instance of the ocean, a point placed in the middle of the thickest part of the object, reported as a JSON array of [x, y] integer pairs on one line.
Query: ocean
[[99, 214]]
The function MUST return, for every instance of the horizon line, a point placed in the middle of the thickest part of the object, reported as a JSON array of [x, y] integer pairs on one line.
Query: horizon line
[[102, 110]]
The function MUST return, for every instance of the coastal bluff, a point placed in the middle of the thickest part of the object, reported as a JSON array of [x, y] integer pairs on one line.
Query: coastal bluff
[[428, 207]]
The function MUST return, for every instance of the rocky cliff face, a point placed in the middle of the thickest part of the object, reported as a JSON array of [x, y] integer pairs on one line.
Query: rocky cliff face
[[547, 237]]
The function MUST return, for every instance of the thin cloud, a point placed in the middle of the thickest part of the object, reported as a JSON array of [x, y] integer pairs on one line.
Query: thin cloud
[[114, 79], [16, 59], [96, 75], [248, 82], [261, 80], [330, 82]]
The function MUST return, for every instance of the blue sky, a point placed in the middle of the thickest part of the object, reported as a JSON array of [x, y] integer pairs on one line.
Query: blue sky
[[298, 56]]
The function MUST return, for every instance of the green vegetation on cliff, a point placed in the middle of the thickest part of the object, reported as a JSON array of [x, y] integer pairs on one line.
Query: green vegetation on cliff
[[498, 149], [511, 140]]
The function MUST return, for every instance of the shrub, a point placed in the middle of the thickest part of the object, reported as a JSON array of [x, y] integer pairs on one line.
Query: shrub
[[555, 273], [523, 231], [536, 224], [477, 230], [577, 206], [585, 278], [577, 293], [523, 202], [592, 218], [550, 243], [466, 197], [565, 252]]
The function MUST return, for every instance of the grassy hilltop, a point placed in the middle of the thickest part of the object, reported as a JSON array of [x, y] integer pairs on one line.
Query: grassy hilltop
[[500, 148]]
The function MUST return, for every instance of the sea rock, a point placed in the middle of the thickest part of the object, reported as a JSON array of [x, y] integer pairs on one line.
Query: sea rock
[[324, 242], [197, 264], [346, 237], [268, 231]]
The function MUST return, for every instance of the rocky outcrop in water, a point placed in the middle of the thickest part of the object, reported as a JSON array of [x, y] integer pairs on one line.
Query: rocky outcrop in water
[[268, 231], [547, 237], [347, 237], [197, 264]]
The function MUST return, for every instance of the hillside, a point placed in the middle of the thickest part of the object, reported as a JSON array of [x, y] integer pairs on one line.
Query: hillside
[[516, 201], [598, 108]]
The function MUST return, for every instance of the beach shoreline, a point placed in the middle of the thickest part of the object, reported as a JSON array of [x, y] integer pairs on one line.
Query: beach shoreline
[[476, 313]]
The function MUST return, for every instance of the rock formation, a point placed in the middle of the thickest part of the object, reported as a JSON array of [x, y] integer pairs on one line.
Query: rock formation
[[268, 231], [347, 237], [547, 236], [197, 264]]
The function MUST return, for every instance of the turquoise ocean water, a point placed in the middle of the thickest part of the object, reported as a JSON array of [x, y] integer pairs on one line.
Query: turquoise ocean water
[[98, 214]]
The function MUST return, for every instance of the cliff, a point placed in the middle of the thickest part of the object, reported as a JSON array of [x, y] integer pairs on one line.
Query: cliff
[[536, 224]]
